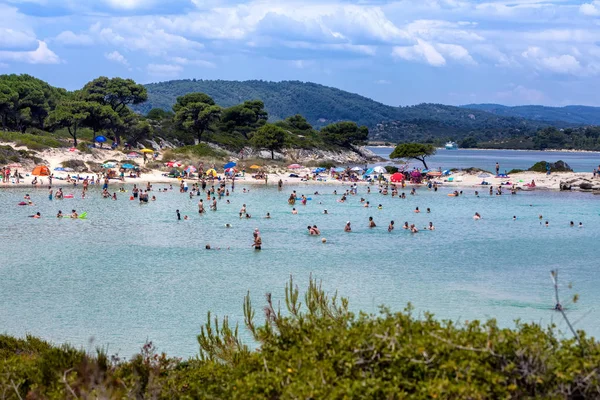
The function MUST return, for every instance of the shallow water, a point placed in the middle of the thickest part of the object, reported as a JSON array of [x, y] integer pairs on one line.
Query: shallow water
[[130, 273], [508, 159]]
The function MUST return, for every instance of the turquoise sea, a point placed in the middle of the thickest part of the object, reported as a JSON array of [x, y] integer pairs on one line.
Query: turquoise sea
[[508, 159], [132, 272]]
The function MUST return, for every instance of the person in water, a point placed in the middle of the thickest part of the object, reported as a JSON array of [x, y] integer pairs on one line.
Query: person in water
[[391, 226], [60, 214], [36, 215], [405, 226], [178, 215], [294, 211], [74, 214], [417, 210], [431, 227], [268, 216], [477, 216], [257, 240], [347, 228], [371, 223]]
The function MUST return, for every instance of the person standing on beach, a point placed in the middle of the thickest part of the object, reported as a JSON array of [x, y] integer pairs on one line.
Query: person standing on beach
[[497, 169]]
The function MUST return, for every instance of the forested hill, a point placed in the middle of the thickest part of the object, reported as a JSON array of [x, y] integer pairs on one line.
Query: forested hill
[[581, 115], [322, 105]]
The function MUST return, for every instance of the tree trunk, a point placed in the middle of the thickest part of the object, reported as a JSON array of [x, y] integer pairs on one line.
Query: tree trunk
[[199, 133], [272, 154], [422, 159], [73, 134]]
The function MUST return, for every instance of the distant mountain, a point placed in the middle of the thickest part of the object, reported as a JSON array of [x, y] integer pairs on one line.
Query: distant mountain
[[322, 105], [580, 115]]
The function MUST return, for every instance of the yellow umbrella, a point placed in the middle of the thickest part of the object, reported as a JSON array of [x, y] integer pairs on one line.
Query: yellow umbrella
[[211, 172], [255, 166], [147, 151]]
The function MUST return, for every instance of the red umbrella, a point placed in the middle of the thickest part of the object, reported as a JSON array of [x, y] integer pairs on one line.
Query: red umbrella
[[295, 166], [397, 177]]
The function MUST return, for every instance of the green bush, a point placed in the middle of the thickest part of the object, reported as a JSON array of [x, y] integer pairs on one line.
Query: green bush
[[515, 171], [391, 169], [32, 142], [318, 349], [559, 166]]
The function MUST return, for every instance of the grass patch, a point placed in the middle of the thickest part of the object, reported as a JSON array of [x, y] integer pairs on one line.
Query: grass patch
[[200, 150], [32, 142]]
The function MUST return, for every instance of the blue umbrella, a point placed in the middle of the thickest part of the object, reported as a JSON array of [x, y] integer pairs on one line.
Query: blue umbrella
[[59, 169], [127, 166], [318, 170], [100, 139], [230, 164], [369, 171]]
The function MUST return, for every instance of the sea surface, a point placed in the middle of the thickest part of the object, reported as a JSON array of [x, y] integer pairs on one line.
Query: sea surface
[[131, 273], [508, 159]]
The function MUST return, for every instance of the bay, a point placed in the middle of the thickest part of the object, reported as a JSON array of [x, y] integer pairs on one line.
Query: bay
[[132, 272], [508, 159]]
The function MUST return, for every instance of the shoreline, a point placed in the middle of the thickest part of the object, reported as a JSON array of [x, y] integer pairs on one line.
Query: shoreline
[[488, 149], [458, 180]]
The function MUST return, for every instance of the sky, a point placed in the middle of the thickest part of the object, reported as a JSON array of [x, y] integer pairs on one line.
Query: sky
[[397, 52]]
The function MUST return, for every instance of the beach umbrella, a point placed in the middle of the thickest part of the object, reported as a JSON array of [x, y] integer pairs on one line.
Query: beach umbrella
[[41, 170], [294, 166], [416, 173], [109, 164], [356, 169], [484, 175], [100, 139], [230, 171], [255, 166], [127, 166], [147, 151], [434, 173], [230, 164], [369, 171], [15, 165], [69, 169], [212, 172], [338, 169], [318, 170], [133, 155], [191, 168], [59, 169], [379, 170], [397, 177], [72, 149]]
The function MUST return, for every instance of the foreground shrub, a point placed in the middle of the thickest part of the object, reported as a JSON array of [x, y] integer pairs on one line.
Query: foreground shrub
[[318, 349]]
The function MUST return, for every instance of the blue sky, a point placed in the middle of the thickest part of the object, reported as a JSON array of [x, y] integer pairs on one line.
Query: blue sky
[[397, 52]]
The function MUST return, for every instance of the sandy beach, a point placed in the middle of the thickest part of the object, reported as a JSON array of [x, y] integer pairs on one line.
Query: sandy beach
[[54, 158]]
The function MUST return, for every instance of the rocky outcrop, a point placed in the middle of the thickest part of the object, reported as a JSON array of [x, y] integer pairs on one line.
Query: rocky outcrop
[[359, 155], [580, 183]]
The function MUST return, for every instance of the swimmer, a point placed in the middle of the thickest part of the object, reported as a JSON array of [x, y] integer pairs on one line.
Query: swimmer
[[391, 226], [571, 224], [477, 216], [428, 210], [185, 217], [153, 198], [60, 214], [207, 247], [405, 226], [257, 243], [316, 230], [413, 229], [178, 215], [347, 228], [227, 225], [547, 225], [36, 215], [380, 207], [417, 210], [371, 223], [114, 196], [580, 224], [367, 205], [268, 216], [294, 211], [431, 227], [325, 212], [74, 214], [514, 217], [248, 216]]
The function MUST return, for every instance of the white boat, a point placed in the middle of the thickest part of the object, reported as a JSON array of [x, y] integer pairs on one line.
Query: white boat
[[451, 146]]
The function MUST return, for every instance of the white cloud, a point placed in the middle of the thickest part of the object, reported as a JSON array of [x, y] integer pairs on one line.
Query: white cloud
[[3, 65], [16, 39], [164, 70], [382, 82], [130, 4], [422, 51], [197, 63], [591, 9], [434, 54], [70, 38], [560, 64], [41, 55], [117, 57]]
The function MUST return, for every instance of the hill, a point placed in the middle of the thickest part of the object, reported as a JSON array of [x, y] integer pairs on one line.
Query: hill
[[322, 105], [580, 115]]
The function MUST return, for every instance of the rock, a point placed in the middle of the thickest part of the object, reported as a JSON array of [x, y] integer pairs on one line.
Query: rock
[[585, 186]]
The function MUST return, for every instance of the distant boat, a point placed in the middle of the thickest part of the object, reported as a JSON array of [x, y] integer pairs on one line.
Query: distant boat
[[451, 146]]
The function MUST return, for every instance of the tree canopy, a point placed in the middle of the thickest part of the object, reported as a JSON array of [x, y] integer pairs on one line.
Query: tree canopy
[[195, 112], [417, 151], [345, 134], [270, 137]]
